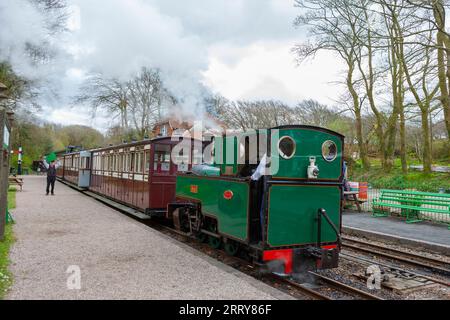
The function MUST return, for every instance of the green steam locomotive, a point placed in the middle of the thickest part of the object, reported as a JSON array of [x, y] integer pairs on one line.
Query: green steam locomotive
[[274, 194]]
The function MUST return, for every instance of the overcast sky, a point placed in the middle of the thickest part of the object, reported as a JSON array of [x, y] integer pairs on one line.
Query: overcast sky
[[237, 48]]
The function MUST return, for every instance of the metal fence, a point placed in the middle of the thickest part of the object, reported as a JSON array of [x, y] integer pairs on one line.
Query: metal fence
[[432, 203]]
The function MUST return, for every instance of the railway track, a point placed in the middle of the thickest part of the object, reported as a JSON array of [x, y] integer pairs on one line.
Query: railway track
[[302, 290], [368, 262], [347, 288], [430, 263], [337, 287]]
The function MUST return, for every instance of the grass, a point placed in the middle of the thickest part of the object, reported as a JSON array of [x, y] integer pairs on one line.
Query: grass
[[395, 179], [5, 245], [12, 198], [5, 275]]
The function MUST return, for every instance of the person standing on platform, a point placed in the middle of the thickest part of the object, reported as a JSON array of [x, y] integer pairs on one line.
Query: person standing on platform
[[51, 175]]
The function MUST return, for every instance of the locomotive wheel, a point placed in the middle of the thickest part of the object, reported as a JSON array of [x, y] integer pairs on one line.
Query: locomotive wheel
[[202, 238], [214, 242], [231, 248]]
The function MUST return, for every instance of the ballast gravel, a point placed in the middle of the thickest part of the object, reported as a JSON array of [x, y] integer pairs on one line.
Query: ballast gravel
[[69, 246]]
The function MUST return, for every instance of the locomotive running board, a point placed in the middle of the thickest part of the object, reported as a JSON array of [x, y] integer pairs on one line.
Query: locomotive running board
[[118, 206]]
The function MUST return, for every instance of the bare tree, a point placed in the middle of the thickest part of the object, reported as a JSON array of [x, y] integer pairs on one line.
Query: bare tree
[[443, 48], [417, 63], [334, 31], [146, 100], [138, 103], [109, 95]]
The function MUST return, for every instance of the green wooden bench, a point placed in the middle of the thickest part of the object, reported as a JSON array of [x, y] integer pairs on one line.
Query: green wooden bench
[[412, 205]]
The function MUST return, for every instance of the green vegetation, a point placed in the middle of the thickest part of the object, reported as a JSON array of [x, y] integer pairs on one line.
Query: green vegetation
[[12, 198], [38, 140], [5, 275], [378, 178], [5, 245]]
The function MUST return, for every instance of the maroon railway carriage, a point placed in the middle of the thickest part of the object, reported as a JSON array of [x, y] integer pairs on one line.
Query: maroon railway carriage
[[140, 175]]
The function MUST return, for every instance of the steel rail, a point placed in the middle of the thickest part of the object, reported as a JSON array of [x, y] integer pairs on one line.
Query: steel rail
[[304, 289], [300, 287], [411, 259], [373, 262], [346, 287], [414, 255]]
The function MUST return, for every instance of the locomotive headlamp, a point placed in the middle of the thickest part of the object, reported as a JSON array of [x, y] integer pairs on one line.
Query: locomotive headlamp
[[313, 169]]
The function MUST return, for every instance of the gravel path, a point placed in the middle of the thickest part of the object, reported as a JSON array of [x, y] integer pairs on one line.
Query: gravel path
[[118, 258]]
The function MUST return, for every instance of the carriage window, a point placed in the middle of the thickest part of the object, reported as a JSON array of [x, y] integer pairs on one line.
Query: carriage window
[[162, 162], [165, 165], [182, 162], [141, 162], [138, 164], [147, 161], [286, 147], [329, 150], [87, 164], [132, 161]]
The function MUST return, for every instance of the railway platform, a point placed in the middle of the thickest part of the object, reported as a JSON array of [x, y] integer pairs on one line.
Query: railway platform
[[424, 235], [70, 246]]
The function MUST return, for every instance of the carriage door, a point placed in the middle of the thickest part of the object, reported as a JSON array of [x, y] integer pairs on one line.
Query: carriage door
[[162, 180], [84, 173]]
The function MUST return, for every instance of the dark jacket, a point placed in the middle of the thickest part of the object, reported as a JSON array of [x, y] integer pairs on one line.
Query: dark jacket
[[51, 171]]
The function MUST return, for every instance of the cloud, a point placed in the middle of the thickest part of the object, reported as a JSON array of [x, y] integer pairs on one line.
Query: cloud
[[21, 23], [267, 70], [236, 21], [117, 37], [239, 48]]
